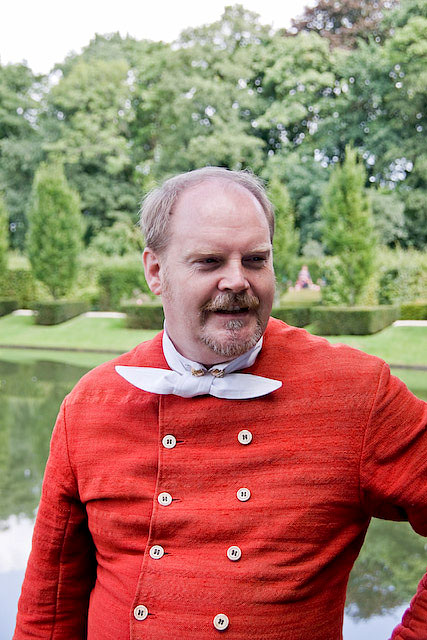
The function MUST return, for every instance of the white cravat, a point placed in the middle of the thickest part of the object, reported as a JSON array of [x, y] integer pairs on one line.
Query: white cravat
[[188, 378]]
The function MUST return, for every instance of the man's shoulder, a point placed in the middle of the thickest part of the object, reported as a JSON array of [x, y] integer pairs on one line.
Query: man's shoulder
[[103, 381], [298, 346]]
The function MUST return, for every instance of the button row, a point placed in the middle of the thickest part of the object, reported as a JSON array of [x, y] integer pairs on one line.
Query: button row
[[165, 498], [234, 553], [220, 622], [244, 437]]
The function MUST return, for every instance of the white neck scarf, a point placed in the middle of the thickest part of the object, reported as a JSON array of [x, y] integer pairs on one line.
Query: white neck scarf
[[188, 379]]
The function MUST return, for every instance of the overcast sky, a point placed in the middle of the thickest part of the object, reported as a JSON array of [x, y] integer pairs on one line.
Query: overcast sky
[[43, 32]]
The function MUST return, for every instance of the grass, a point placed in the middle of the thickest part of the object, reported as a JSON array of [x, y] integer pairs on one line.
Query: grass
[[78, 333], [396, 345], [300, 298]]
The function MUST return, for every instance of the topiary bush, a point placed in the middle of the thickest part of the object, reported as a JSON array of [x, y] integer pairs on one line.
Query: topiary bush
[[20, 285], [295, 316], [143, 316], [119, 282], [414, 310], [335, 321], [48, 313], [7, 306]]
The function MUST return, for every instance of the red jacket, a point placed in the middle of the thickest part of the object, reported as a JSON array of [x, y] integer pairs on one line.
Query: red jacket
[[340, 442]]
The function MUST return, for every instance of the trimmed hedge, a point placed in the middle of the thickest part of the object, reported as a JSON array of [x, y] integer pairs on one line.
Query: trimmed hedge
[[19, 284], [414, 310], [48, 313], [335, 321], [151, 316], [7, 306], [296, 316], [143, 316], [118, 282]]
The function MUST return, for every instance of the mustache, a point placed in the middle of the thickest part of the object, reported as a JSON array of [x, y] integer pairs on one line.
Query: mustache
[[228, 301]]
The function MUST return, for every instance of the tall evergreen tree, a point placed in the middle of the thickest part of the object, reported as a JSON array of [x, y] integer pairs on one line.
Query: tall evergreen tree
[[55, 230], [348, 228], [286, 237]]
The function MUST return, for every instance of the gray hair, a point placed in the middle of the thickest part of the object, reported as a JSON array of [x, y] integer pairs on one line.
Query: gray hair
[[158, 204]]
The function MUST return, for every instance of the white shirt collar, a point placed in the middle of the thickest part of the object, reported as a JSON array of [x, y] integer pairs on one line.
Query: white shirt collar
[[181, 364]]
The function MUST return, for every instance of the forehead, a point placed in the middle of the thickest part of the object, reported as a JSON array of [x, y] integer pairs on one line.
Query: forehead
[[217, 204]]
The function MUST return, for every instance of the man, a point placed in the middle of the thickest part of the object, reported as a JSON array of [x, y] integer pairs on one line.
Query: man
[[182, 499]]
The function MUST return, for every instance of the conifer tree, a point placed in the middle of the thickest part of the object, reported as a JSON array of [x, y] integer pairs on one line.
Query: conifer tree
[[55, 230], [286, 237], [348, 228]]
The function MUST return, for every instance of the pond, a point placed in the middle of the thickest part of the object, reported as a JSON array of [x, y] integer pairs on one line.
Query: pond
[[384, 578]]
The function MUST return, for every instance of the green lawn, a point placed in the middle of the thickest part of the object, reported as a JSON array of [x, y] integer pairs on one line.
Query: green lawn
[[78, 333], [396, 345]]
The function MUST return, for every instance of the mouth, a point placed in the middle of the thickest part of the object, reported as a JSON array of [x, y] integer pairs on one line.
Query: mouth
[[232, 310]]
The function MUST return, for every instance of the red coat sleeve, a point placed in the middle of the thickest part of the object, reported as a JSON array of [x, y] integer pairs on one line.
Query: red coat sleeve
[[414, 621], [61, 568], [394, 476], [393, 468]]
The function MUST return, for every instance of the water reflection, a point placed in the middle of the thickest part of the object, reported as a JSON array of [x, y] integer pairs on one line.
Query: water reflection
[[383, 580]]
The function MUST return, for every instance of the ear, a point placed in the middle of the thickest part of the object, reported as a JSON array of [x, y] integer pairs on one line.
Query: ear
[[152, 270]]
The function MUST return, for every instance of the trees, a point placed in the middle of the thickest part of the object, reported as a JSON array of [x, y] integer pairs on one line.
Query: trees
[[343, 22], [20, 142], [286, 237], [348, 229], [55, 230], [4, 233]]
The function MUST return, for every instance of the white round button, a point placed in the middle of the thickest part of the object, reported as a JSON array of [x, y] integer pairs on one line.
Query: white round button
[[221, 622], [244, 436], [157, 552], [164, 498], [234, 553], [169, 441], [243, 494], [140, 612]]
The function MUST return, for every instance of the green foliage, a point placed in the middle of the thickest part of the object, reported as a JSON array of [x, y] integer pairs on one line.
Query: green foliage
[[124, 114], [334, 321], [20, 142], [119, 282], [19, 284], [48, 313], [414, 310], [7, 306], [402, 276], [118, 240], [4, 236], [414, 195], [295, 316], [388, 215], [286, 238], [348, 229], [144, 316], [55, 230], [305, 180], [298, 72]]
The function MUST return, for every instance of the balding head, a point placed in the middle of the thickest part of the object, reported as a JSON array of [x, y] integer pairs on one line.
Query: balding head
[[158, 206]]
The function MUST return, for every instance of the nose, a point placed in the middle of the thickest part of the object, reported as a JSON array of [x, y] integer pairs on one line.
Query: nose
[[233, 278]]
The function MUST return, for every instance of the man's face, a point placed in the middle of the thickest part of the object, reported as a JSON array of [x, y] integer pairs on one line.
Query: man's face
[[216, 275]]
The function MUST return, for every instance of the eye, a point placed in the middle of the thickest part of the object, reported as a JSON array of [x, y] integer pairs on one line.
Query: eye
[[207, 263], [255, 261]]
